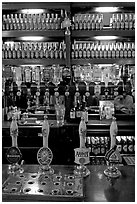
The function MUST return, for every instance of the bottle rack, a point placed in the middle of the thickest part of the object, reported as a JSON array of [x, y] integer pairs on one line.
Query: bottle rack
[[90, 23]]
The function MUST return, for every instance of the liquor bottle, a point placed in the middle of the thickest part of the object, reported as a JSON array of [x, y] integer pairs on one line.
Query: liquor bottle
[[73, 109], [133, 140], [57, 22], [119, 144], [76, 50], [98, 146], [100, 51], [93, 25], [126, 21], [84, 50], [85, 22], [28, 50], [109, 50], [82, 132], [124, 142], [121, 50], [92, 53], [96, 50], [133, 49], [114, 22], [105, 51], [130, 21], [18, 47], [125, 50], [101, 22], [129, 53], [9, 52], [117, 47], [89, 21], [102, 146], [122, 21], [133, 20], [88, 50], [107, 143], [84, 109], [80, 22], [130, 145], [14, 131], [80, 51], [78, 109], [113, 50], [76, 22], [118, 23]]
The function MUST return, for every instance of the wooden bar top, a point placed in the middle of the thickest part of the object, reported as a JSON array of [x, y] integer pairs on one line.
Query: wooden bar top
[[105, 122], [96, 185]]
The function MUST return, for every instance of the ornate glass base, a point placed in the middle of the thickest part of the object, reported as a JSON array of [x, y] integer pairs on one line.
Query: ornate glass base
[[81, 171], [45, 169], [112, 174], [15, 168]]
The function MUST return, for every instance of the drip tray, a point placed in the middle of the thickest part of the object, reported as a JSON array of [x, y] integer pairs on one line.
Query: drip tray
[[54, 187]]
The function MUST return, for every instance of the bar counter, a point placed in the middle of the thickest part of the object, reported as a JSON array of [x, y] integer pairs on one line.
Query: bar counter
[[96, 187], [66, 138]]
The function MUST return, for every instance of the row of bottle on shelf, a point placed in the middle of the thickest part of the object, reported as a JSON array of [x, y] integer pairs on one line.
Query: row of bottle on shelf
[[87, 73], [85, 77], [96, 21], [53, 21], [100, 49], [36, 74], [102, 73], [100, 145], [28, 21], [31, 50]]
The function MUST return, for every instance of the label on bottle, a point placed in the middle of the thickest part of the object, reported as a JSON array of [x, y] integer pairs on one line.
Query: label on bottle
[[80, 53], [125, 53], [78, 113], [117, 53], [119, 147], [129, 53], [121, 53], [72, 114], [76, 26], [102, 150], [125, 148], [88, 53], [131, 148]]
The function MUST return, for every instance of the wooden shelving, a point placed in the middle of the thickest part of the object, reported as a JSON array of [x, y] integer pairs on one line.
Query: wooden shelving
[[71, 8], [45, 62], [93, 33], [22, 33], [103, 61]]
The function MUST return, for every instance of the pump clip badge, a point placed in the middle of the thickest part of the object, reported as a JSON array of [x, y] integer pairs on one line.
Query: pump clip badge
[[44, 156], [13, 155]]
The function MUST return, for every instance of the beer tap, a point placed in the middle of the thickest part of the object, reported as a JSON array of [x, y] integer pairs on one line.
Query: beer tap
[[82, 154], [44, 155], [113, 156], [13, 153]]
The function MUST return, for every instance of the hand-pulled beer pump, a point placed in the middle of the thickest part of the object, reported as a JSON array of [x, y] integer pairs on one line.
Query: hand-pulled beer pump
[[113, 156], [82, 153], [44, 155], [13, 153]]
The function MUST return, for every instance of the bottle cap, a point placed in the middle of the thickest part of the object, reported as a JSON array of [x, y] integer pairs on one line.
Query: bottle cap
[[82, 118], [45, 117], [113, 118]]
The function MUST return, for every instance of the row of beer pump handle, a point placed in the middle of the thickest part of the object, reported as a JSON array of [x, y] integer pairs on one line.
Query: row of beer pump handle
[[82, 154]]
